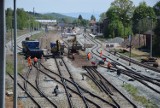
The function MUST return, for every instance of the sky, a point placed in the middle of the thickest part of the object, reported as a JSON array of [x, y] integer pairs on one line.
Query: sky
[[69, 6]]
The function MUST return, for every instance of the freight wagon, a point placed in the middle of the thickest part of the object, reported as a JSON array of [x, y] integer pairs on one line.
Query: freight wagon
[[31, 48]]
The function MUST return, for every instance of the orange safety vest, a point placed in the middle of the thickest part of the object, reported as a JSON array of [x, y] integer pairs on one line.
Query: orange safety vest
[[89, 55], [29, 61], [101, 53], [35, 59], [109, 65]]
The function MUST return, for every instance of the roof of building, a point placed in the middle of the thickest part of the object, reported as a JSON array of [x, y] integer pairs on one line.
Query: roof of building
[[47, 21], [149, 32], [93, 22]]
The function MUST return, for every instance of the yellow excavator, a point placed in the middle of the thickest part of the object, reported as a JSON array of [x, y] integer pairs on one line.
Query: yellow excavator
[[74, 46], [57, 48]]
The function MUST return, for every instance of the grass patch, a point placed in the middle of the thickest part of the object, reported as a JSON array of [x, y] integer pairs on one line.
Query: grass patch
[[91, 83], [42, 33], [128, 54], [134, 92], [10, 64], [19, 33], [101, 38], [36, 36]]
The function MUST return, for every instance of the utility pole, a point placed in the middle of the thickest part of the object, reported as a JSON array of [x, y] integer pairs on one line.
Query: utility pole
[[123, 27], [11, 35], [15, 55], [33, 16], [139, 32], [151, 38], [130, 46], [2, 53]]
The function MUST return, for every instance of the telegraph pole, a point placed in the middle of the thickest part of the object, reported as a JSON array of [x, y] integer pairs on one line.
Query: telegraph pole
[[130, 46], [151, 38], [15, 56], [2, 53], [33, 21]]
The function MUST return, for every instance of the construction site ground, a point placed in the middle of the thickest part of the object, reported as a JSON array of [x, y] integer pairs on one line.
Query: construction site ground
[[74, 65]]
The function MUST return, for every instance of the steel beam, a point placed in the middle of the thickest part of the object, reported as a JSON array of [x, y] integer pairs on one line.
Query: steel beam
[[2, 53], [15, 55]]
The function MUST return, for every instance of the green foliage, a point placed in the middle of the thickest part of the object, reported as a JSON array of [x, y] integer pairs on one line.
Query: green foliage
[[119, 15], [93, 17], [112, 14], [36, 36], [114, 29], [80, 17], [9, 14], [156, 38], [59, 17], [123, 8], [9, 67], [22, 18], [102, 17], [80, 21], [134, 92], [157, 8], [142, 17]]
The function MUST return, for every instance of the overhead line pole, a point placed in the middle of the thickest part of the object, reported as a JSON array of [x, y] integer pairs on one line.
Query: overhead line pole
[[2, 53], [15, 56]]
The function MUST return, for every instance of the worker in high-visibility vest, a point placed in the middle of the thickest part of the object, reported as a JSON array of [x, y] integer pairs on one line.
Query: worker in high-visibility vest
[[35, 60], [29, 62], [89, 56], [109, 65], [104, 59], [101, 53]]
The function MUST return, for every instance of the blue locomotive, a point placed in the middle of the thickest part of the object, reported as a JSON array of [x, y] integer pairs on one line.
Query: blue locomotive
[[31, 48]]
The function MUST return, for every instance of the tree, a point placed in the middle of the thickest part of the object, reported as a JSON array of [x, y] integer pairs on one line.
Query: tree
[[81, 21], [124, 9], [141, 15], [80, 17], [156, 39], [22, 18], [114, 29], [156, 8], [9, 16], [119, 15], [102, 17], [156, 42], [93, 17]]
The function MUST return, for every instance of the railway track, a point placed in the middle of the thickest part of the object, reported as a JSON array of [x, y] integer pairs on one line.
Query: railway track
[[119, 99], [65, 86], [41, 94], [35, 85], [143, 79], [33, 90], [28, 94], [89, 96], [137, 63]]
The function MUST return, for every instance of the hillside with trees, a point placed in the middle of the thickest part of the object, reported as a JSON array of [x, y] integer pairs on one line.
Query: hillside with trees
[[26, 19]]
